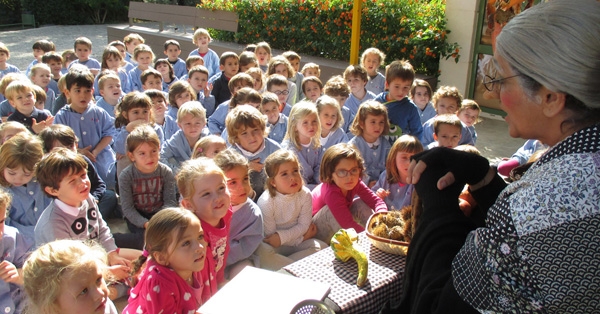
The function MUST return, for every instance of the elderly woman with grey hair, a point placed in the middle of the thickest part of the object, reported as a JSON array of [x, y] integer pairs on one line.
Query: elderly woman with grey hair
[[538, 249]]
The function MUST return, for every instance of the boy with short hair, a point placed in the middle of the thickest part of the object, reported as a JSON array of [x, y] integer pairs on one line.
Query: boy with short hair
[[73, 213], [211, 59], [371, 60], [198, 79], [191, 118], [54, 60], [172, 51], [356, 77], [312, 87], [311, 69], [40, 47], [297, 78], [92, 125], [5, 67], [448, 129], [59, 135], [446, 99], [469, 115], [191, 62], [131, 41], [242, 124], [21, 96], [83, 50], [216, 122], [402, 112], [278, 85], [151, 79], [277, 121], [337, 88], [229, 66], [110, 92], [159, 112], [40, 75]]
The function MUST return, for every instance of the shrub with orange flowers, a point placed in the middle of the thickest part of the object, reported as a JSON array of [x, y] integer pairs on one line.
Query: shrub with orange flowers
[[403, 29]]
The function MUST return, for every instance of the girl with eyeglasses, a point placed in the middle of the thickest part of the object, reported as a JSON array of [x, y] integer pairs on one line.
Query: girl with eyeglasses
[[392, 187], [342, 200]]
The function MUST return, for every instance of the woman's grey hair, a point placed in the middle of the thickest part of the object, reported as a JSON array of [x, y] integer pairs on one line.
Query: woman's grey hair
[[557, 44]]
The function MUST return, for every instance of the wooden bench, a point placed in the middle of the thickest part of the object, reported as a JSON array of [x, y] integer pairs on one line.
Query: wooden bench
[[155, 33]]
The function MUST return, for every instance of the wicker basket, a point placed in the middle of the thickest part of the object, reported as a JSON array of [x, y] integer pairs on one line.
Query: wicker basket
[[386, 245]]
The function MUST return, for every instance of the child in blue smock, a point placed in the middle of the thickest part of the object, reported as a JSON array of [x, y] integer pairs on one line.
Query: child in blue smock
[[330, 116], [93, 125], [370, 127], [18, 157], [191, 118], [13, 248], [304, 139], [392, 186], [211, 59], [246, 134], [277, 121], [144, 57]]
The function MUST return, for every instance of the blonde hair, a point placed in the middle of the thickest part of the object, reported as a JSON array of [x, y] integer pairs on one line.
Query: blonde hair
[[300, 111], [141, 48], [105, 76], [200, 32], [192, 108], [309, 66], [9, 78], [229, 159], [272, 164], [143, 133], [54, 263], [259, 72], [37, 68], [203, 143], [447, 92], [404, 144], [372, 51], [332, 157], [244, 117], [194, 169], [336, 86], [324, 101], [5, 199], [166, 227], [11, 125], [132, 100], [370, 107], [22, 150], [17, 87], [133, 36]]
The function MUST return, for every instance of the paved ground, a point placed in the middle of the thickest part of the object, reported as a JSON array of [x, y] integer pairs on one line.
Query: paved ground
[[493, 140]]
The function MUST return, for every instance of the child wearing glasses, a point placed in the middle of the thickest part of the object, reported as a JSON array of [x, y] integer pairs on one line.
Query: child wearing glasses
[[342, 200], [277, 84]]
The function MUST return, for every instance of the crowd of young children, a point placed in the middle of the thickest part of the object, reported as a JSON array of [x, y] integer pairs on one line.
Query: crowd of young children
[[264, 159]]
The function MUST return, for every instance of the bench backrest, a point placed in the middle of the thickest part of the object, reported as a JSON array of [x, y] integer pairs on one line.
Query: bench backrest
[[186, 15]]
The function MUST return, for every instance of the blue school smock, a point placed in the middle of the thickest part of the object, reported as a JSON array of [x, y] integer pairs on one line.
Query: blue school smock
[[14, 249], [310, 161], [277, 131], [400, 194], [216, 122], [334, 137], [169, 127], [176, 150], [179, 68], [353, 103], [107, 107], [90, 127], [376, 85], [135, 79], [374, 157], [28, 204], [211, 60]]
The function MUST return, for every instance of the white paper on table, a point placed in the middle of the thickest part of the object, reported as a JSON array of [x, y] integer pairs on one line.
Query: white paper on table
[[256, 290]]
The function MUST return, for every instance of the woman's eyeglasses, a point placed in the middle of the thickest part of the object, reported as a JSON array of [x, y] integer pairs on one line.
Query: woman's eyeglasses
[[342, 173], [488, 81]]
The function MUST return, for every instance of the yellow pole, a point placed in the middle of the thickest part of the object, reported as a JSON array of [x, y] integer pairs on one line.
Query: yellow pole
[[355, 37]]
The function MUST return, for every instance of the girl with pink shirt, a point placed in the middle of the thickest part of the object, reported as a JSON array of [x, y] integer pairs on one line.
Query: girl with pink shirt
[[334, 203]]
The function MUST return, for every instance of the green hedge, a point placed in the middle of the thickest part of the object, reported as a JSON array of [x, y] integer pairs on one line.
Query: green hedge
[[403, 29], [75, 12]]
